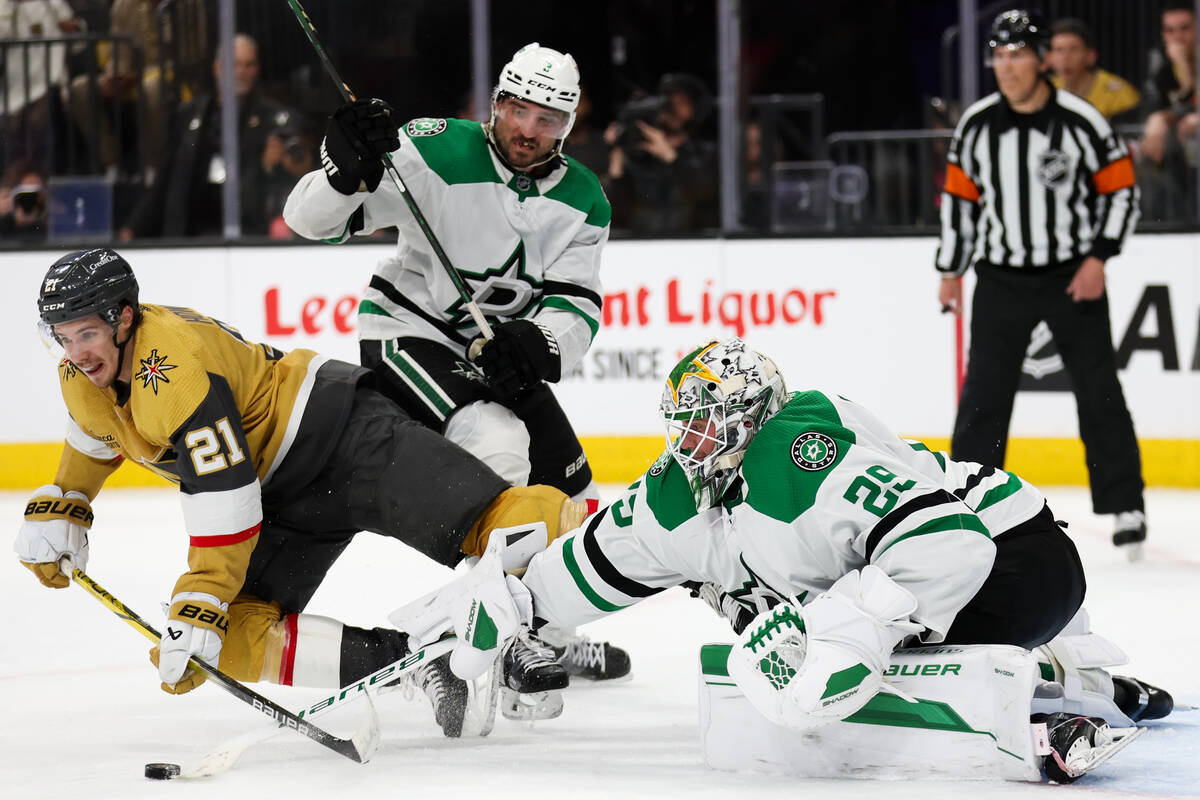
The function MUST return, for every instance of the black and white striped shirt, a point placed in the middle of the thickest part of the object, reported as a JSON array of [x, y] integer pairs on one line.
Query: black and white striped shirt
[[1035, 190]]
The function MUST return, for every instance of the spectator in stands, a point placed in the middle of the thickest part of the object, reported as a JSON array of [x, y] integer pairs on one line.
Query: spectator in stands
[[94, 100], [585, 142], [29, 75], [290, 154], [22, 205], [756, 204], [669, 172], [186, 198], [1073, 58], [1171, 122]]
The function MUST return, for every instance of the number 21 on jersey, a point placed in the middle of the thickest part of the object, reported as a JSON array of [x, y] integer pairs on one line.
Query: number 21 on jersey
[[204, 445]]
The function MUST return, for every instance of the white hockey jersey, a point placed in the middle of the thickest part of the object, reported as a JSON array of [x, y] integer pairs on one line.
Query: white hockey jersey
[[825, 488], [528, 248]]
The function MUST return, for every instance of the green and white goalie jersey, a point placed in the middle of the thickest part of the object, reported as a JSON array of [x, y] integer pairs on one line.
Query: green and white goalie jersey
[[825, 488], [527, 248]]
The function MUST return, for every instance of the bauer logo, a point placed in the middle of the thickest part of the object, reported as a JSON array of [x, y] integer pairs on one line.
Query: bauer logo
[[426, 126], [813, 451]]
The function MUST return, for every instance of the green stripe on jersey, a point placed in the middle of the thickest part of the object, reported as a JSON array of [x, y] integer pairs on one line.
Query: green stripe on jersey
[[580, 582], [920, 447], [563, 304], [458, 154], [668, 493], [953, 522], [785, 489], [1002, 492], [367, 307], [580, 189]]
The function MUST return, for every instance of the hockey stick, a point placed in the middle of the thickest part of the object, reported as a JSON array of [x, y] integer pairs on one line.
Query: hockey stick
[[357, 748], [459, 284], [225, 755]]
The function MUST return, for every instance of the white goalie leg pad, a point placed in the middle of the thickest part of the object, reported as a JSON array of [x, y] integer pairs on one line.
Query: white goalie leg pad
[[806, 667], [496, 436], [318, 651], [969, 720], [1079, 658]]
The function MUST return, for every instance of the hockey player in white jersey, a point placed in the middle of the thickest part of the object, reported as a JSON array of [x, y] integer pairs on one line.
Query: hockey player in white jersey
[[524, 225], [813, 526]]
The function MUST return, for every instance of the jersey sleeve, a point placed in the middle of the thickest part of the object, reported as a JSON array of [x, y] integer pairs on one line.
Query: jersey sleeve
[[617, 558], [86, 462], [1115, 185], [219, 492], [960, 203], [315, 210]]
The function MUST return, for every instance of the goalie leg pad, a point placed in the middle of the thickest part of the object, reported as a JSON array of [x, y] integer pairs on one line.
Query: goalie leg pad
[[1079, 658]]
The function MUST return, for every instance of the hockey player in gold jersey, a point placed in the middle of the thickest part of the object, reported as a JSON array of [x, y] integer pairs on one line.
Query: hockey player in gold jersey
[[281, 458]]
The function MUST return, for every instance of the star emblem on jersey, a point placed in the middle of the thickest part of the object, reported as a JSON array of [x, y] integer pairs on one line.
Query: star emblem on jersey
[[152, 369], [813, 451], [426, 126], [504, 291]]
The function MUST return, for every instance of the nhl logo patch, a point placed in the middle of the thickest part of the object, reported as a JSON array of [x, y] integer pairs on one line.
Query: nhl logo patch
[[425, 126], [523, 183], [1054, 168], [813, 451]]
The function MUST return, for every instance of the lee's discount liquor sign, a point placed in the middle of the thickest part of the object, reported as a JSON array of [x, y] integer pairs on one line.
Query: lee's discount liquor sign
[[840, 317]]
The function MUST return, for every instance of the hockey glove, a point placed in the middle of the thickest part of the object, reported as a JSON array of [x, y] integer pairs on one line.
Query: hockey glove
[[196, 626], [522, 354], [804, 667], [738, 615], [55, 528], [358, 135]]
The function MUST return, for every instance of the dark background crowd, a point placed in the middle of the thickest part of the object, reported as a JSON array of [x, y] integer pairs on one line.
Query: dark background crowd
[[110, 109]]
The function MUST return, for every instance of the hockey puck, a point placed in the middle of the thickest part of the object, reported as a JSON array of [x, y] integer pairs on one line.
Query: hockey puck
[[162, 772]]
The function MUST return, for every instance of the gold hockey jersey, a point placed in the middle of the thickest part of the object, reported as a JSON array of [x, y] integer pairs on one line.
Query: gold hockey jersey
[[207, 410]]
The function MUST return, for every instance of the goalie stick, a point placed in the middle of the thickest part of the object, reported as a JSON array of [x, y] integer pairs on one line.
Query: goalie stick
[[357, 748], [226, 754], [459, 284]]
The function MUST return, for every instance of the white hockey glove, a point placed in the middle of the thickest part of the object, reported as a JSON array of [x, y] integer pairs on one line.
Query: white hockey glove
[[485, 607], [808, 666], [196, 626], [55, 529]]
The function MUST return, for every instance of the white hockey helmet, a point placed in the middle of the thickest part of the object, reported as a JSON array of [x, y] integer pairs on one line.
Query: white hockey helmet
[[714, 404], [544, 76]]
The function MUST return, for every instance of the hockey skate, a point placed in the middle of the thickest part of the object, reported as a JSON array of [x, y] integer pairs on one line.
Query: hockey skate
[[1129, 533], [461, 708], [532, 680], [1080, 744], [1139, 700], [595, 661]]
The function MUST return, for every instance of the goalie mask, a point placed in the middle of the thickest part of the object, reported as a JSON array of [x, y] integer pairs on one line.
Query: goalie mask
[[546, 77], [715, 402]]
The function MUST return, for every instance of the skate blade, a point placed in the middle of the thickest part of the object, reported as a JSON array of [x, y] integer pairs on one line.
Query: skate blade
[[1134, 552], [1086, 762], [530, 707]]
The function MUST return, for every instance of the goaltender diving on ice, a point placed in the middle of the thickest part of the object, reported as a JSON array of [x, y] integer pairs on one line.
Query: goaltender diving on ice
[[829, 542]]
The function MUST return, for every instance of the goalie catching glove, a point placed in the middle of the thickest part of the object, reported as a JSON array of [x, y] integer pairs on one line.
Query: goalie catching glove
[[806, 666], [55, 529], [522, 354], [196, 626], [359, 134]]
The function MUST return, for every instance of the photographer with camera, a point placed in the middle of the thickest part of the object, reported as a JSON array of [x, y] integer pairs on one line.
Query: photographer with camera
[[658, 160], [22, 205]]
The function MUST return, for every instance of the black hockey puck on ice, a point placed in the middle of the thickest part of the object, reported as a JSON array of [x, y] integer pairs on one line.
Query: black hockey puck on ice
[[162, 772]]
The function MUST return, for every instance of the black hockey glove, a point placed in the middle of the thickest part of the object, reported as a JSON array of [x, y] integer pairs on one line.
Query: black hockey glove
[[522, 354], [357, 136]]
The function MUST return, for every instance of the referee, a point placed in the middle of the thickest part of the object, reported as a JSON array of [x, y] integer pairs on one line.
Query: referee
[[1039, 194]]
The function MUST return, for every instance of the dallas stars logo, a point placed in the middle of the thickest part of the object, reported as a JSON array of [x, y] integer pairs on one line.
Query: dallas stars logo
[[504, 291], [813, 451], [152, 370]]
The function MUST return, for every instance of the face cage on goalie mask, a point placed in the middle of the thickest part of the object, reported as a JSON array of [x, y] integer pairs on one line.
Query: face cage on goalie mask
[[706, 429]]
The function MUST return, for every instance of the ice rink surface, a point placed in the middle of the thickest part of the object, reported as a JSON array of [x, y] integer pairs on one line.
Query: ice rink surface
[[83, 711]]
